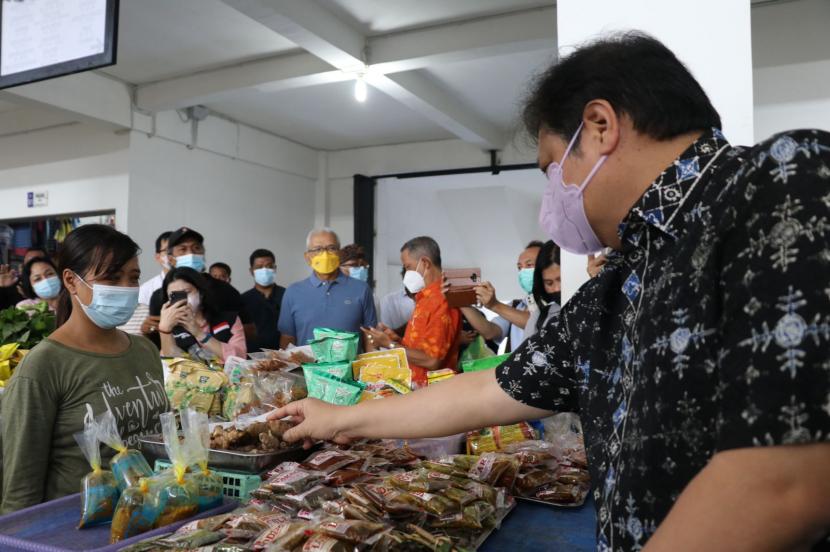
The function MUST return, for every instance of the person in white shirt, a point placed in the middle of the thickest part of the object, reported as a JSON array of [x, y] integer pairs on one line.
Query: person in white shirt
[[396, 308], [145, 292]]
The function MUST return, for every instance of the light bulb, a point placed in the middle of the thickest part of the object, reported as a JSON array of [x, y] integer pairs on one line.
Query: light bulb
[[360, 90]]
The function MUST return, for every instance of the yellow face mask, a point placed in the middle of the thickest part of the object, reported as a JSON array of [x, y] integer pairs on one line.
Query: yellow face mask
[[325, 263]]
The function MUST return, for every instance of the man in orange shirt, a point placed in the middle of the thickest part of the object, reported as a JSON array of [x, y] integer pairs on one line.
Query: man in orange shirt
[[431, 338]]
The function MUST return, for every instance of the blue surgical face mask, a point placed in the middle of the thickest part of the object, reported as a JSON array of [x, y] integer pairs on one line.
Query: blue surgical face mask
[[359, 273], [111, 306], [264, 276], [48, 288], [196, 262], [526, 279]]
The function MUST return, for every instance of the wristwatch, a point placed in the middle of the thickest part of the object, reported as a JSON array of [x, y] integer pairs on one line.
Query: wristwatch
[[207, 338]]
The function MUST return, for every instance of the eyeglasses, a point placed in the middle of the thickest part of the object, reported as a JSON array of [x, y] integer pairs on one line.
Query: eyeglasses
[[327, 249]]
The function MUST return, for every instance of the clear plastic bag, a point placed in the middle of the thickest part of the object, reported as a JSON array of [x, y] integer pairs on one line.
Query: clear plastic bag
[[128, 466], [135, 514], [197, 441], [99, 491], [175, 497]]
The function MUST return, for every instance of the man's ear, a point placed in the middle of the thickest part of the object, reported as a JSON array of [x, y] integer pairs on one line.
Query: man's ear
[[601, 127]]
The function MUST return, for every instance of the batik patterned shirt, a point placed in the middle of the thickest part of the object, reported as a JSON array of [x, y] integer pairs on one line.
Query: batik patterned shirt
[[708, 331]]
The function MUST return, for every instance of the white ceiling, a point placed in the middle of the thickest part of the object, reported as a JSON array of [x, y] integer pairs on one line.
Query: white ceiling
[[383, 16], [159, 39]]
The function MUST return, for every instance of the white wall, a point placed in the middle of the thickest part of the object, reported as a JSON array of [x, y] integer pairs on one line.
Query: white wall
[[479, 220], [238, 206], [791, 55], [82, 169]]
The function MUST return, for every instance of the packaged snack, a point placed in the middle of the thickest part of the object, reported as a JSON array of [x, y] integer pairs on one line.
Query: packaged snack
[[197, 440], [128, 466], [498, 470], [175, 497], [313, 498], [492, 439], [389, 499], [460, 496], [135, 513], [474, 517], [434, 376], [282, 535], [277, 389], [340, 370], [191, 540], [195, 385], [344, 476], [355, 531], [421, 480], [330, 389], [241, 399], [328, 461], [323, 543], [528, 483], [334, 346], [434, 503], [289, 478], [99, 490], [563, 494], [533, 453], [386, 368]]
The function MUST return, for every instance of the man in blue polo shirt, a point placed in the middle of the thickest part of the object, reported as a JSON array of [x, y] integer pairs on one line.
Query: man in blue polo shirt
[[327, 298]]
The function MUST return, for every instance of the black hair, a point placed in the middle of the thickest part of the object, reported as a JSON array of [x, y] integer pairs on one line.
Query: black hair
[[93, 249], [164, 236], [223, 266], [424, 246], [36, 248], [352, 252], [535, 243], [26, 275], [259, 254], [548, 256], [210, 309], [632, 71]]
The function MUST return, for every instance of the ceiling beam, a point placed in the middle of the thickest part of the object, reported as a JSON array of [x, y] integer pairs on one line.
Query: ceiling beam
[[521, 31]]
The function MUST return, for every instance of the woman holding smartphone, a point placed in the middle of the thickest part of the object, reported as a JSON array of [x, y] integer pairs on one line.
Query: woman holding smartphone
[[85, 368], [191, 322]]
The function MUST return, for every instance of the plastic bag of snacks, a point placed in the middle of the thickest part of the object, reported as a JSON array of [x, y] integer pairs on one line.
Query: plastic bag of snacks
[[175, 496], [194, 385], [340, 370], [197, 441], [128, 466], [135, 513], [277, 389], [99, 490], [492, 439], [388, 365], [330, 389], [334, 346]]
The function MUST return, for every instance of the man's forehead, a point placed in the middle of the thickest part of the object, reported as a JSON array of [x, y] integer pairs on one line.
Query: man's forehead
[[324, 238], [188, 241]]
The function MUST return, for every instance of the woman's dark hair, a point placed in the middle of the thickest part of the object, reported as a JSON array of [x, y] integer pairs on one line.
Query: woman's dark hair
[[548, 256], [632, 71], [25, 277], [209, 308], [352, 252], [94, 249]]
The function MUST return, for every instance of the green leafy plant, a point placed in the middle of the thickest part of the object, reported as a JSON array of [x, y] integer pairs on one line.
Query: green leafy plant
[[27, 327]]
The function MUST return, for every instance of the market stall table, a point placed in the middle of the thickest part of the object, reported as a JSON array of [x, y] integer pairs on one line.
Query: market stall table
[[537, 527]]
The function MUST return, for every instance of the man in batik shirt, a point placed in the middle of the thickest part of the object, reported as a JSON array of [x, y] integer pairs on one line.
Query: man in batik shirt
[[699, 357]]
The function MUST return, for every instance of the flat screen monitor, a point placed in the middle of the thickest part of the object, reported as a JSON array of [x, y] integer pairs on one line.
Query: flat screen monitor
[[44, 39]]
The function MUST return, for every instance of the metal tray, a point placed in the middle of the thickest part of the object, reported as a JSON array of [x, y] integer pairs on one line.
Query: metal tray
[[153, 447]]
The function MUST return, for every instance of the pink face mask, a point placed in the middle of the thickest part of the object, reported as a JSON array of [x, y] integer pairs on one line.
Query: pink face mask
[[563, 209]]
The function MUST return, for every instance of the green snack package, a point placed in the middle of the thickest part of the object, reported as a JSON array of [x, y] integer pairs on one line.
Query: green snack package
[[339, 370], [483, 363], [330, 389], [333, 346]]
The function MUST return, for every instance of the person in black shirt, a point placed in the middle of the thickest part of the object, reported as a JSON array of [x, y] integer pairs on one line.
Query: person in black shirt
[[221, 271], [263, 301], [699, 357], [186, 249]]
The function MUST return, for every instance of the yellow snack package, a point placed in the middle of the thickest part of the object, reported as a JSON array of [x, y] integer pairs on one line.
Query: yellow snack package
[[383, 368]]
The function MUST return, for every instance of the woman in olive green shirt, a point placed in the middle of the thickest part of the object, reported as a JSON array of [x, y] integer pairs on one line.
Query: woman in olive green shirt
[[83, 369]]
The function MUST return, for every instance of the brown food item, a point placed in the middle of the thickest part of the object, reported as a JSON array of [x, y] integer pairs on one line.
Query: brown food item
[[324, 543], [421, 480], [298, 357], [460, 496], [270, 365], [432, 503], [172, 514], [528, 483], [474, 517], [313, 498], [355, 531], [289, 533], [260, 436], [343, 477], [328, 461], [562, 494], [292, 479]]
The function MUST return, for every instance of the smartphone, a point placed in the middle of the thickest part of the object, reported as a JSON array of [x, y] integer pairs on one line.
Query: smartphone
[[177, 297], [462, 286]]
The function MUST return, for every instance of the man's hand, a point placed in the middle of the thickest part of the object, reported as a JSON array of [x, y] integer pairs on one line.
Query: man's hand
[[316, 421], [486, 295], [467, 337], [381, 336], [150, 325], [8, 277], [595, 264]]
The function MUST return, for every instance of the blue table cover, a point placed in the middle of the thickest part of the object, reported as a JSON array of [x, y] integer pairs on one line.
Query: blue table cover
[[532, 526]]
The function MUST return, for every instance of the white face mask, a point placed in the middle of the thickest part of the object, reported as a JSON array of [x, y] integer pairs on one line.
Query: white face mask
[[414, 280]]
